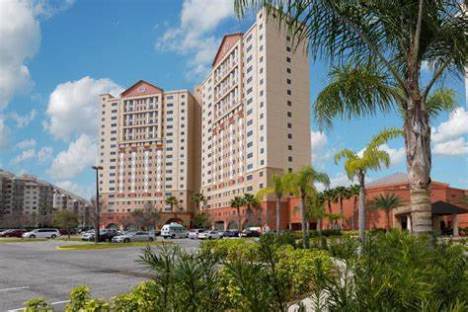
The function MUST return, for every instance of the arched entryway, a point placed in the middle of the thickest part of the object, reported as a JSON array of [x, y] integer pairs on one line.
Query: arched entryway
[[112, 226], [232, 225], [219, 225], [174, 220]]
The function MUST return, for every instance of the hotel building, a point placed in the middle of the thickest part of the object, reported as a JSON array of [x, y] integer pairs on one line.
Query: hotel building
[[255, 112], [148, 149]]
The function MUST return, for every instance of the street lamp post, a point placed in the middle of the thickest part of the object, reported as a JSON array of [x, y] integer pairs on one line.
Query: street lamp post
[[98, 212]]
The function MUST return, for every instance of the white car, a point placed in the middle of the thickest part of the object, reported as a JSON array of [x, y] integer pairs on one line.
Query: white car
[[174, 230], [133, 237], [193, 234], [210, 235], [42, 233]]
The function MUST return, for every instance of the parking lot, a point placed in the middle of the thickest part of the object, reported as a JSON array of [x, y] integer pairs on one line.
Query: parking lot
[[32, 269]]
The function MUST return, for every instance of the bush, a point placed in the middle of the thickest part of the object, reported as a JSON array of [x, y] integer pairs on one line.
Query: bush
[[37, 305], [230, 249]]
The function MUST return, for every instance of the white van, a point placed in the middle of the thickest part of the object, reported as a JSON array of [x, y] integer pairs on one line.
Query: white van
[[174, 230], [42, 233]]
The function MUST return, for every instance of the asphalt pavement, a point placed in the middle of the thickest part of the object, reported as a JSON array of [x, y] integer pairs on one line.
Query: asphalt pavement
[[38, 269]]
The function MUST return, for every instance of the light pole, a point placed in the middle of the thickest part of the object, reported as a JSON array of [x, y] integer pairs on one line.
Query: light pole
[[98, 212]]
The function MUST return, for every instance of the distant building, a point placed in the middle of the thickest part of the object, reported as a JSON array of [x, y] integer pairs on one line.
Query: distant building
[[27, 200]]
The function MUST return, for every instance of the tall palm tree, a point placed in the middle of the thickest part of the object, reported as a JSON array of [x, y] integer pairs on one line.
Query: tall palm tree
[[237, 202], [386, 202], [172, 201], [301, 183], [198, 198], [357, 166], [387, 41], [278, 189], [354, 193]]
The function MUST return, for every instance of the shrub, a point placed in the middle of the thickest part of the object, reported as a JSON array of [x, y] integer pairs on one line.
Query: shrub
[[230, 249], [37, 305]]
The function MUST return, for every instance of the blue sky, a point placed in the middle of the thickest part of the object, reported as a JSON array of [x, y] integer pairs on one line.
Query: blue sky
[[59, 54]]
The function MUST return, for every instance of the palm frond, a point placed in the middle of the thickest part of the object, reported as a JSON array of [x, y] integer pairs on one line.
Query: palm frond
[[441, 100]]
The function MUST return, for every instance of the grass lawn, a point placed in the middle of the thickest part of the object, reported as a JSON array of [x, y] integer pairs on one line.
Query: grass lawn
[[93, 246]]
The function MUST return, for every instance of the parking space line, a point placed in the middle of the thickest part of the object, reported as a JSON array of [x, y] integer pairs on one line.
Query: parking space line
[[53, 303], [13, 288]]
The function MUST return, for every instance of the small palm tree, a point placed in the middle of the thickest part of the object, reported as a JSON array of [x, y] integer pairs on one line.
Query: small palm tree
[[172, 201], [316, 209], [342, 193], [198, 198], [277, 188], [301, 183], [357, 166], [386, 202], [237, 202], [252, 203]]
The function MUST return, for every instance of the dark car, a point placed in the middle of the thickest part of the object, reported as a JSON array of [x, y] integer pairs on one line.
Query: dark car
[[104, 235], [249, 233], [231, 233], [13, 233]]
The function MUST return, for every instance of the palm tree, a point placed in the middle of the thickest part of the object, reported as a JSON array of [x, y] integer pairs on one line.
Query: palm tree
[[301, 183], [198, 198], [251, 202], [172, 201], [341, 193], [316, 209], [277, 188], [386, 202], [330, 197], [357, 166], [354, 193], [387, 43], [237, 202]]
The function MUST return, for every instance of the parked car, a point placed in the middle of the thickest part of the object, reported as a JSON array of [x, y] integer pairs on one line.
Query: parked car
[[133, 237], [231, 233], [210, 235], [13, 233], [249, 233], [193, 234], [174, 230], [42, 233], [104, 235]]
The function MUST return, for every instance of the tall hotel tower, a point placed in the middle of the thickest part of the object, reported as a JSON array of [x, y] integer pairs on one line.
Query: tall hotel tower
[[148, 149], [255, 112]]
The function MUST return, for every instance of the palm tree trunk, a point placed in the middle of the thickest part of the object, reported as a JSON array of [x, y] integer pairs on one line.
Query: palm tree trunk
[[329, 212], [239, 220], [305, 236], [388, 220], [418, 155], [278, 207], [342, 213], [353, 219], [362, 209]]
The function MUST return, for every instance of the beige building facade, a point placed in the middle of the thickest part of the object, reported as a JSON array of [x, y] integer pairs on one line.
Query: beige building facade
[[148, 142], [255, 112]]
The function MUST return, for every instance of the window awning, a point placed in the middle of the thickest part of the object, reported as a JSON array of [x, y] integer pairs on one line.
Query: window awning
[[440, 208]]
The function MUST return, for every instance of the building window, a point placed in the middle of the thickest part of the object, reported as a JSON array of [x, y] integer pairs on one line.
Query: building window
[[288, 59], [289, 114]]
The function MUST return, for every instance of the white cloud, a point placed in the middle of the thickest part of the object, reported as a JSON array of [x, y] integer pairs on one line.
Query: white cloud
[[194, 34], [24, 155], [26, 143], [44, 153], [320, 154], [397, 155], [85, 192], [74, 106], [4, 133], [48, 8], [21, 36], [454, 147], [80, 155], [23, 120], [449, 137]]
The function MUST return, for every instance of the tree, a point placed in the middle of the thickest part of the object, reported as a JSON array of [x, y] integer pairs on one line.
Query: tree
[[252, 203], [67, 220], [237, 202], [357, 166], [146, 217], [172, 201], [342, 193], [386, 202], [354, 192], [198, 198], [201, 220], [329, 197], [301, 183], [278, 189], [391, 39], [315, 204]]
